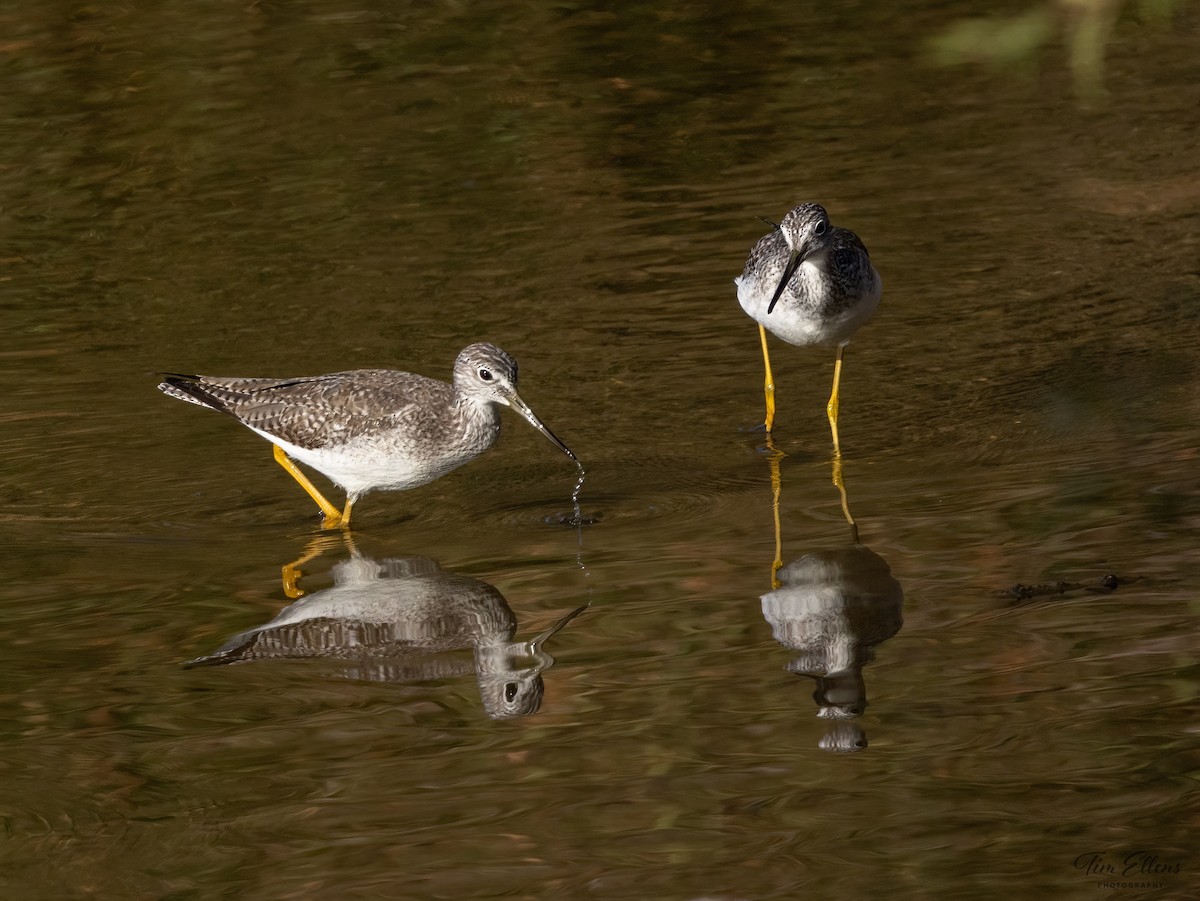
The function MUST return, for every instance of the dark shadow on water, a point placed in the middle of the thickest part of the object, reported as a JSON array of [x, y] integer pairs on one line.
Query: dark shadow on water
[[401, 620]]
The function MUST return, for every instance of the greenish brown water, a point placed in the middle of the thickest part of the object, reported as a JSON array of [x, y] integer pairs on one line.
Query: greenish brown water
[[270, 189]]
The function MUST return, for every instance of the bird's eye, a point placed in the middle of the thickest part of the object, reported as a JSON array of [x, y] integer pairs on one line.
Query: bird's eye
[[485, 374], [820, 227], [510, 691]]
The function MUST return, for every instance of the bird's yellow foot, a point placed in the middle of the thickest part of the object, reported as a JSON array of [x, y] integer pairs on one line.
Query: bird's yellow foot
[[291, 579], [337, 520], [317, 545]]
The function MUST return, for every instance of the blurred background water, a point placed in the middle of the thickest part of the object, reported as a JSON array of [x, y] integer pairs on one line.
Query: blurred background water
[[990, 695]]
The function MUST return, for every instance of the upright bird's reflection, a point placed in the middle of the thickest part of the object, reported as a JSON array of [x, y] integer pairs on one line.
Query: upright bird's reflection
[[400, 620], [832, 608], [774, 459]]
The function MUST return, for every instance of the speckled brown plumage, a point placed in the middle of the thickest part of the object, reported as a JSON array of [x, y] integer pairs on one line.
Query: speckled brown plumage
[[370, 429], [325, 410], [393, 620]]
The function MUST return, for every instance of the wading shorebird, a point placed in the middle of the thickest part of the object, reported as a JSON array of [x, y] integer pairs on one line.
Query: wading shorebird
[[371, 429], [809, 282]]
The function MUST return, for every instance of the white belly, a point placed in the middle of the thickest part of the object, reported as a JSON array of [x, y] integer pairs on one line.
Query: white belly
[[801, 327], [366, 465]]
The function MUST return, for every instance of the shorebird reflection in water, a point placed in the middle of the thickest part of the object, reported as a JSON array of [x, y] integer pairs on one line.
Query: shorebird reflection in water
[[402, 620], [371, 429], [809, 282], [831, 609]]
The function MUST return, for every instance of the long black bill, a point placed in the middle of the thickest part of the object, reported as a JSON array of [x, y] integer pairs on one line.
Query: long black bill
[[514, 401], [794, 262]]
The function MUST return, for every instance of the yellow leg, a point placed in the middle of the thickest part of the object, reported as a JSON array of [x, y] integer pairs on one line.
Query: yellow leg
[[333, 518], [291, 572], [769, 386], [840, 484], [291, 579], [776, 490], [831, 409]]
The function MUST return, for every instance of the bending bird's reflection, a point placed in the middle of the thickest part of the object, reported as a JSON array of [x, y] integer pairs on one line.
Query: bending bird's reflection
[[833, 608], [395, 620]]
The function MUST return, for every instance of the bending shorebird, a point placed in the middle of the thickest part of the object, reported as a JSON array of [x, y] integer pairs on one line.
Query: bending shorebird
[[809, 282], [371, 429]]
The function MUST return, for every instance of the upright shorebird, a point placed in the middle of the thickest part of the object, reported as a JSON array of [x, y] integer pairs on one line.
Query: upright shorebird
[[371, 429], [822, 281]]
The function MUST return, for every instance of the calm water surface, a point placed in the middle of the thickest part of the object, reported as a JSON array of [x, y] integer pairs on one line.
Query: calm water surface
[[287, 189]]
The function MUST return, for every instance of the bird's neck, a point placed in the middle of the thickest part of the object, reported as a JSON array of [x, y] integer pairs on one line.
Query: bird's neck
[[475, 417]]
